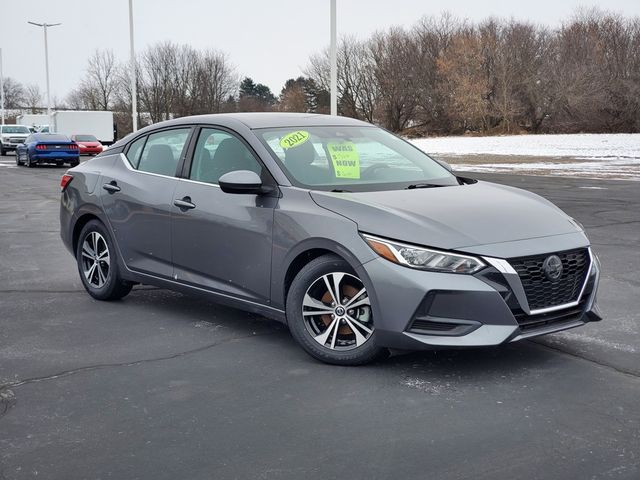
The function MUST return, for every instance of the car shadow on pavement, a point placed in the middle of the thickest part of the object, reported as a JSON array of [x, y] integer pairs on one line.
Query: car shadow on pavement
[[480, 362]]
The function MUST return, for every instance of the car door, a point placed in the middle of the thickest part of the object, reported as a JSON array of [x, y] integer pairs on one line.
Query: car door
[[222, 241], [137, 198]]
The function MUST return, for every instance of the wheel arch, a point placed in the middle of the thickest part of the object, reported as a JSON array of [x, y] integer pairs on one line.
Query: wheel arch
[[304, 253], [85, 214], [79, 225]]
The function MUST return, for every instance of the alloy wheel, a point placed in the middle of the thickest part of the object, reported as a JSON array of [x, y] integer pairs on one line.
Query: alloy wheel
[[95, 259], [337, 312]]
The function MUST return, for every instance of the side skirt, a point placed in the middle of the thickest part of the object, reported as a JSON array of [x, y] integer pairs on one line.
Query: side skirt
[[218, 297]]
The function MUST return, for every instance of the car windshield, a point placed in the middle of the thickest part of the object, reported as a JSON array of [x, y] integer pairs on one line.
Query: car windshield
[[15, 129], [85, 138], [351, 159]]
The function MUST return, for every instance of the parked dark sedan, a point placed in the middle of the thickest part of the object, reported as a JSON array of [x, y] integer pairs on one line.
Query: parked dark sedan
[[47, 148], [353, 237]]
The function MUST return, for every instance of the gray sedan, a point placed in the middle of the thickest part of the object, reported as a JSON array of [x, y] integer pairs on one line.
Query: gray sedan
[[354, 238]]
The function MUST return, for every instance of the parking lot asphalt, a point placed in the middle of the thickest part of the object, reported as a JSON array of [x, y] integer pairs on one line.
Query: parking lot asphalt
[[167, 386]]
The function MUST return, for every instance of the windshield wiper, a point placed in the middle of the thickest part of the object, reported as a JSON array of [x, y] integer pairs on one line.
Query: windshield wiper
[[423, 185], [338, 190]]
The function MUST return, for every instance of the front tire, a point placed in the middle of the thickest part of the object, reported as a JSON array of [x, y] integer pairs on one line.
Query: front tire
[[329, 313], [98, 263]]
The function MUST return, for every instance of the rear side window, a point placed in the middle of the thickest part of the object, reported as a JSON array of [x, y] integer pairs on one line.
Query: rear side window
[[135, 151], [160, 153]]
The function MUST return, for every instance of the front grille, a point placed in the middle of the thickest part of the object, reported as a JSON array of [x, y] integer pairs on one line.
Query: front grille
[[542, 292], [16, 140], [529, 323]]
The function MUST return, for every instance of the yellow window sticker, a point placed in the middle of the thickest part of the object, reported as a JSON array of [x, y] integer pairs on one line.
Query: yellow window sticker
[[345, 158], [294, 139]]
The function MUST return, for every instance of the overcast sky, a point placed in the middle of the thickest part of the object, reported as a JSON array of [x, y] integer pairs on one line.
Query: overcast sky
[[268, 40]]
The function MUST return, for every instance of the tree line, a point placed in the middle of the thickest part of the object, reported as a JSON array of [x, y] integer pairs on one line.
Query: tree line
[[451, 76], [444, 75]]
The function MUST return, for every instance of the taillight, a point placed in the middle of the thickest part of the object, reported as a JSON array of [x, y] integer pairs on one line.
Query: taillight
[[74, 146], [65, 181], [41, 147]]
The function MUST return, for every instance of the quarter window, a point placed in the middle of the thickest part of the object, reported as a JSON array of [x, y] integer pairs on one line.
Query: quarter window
[[162, 151], [218, 152], [135, 151]]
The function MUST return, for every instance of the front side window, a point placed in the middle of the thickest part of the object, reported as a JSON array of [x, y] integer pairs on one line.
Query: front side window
[[218, 152], [162, 151], [351, 158]]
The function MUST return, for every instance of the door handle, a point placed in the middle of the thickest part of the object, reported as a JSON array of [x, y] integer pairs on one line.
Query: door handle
[[111, 187], [185, 203]]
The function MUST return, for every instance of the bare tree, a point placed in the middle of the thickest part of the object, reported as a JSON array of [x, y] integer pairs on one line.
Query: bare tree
[[393, 55], [217, 81], [14, 93], [357, 86], [466, 82], [33, 98], [102, 79]]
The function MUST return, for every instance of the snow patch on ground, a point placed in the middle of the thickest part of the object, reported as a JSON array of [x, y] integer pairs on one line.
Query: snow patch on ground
[[602, 146], [425, 386], [601, 169], [609, 156]]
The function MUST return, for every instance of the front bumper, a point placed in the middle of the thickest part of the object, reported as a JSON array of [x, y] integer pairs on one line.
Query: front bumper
[[416, 309], [10, 146], [90, 150]]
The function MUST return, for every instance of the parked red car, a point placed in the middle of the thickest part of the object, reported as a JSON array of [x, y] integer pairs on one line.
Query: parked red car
[[88, 144]]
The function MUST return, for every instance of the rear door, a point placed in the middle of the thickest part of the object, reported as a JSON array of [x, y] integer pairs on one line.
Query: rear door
[[222, 241], [137, 198]]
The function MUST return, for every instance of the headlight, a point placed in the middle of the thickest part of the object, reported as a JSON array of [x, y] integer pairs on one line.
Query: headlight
[[423, 258]]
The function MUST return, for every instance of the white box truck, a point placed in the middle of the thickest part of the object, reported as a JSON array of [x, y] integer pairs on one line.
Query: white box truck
[[77, 122], [33, 120]]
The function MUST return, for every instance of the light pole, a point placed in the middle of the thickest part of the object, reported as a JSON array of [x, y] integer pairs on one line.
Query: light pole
[[334, 61], [46, 58], [1, 88], [134, 91]]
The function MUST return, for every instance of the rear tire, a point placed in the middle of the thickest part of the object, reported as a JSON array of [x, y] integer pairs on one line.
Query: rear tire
[[29, 163], [74, 163], [97, 261], [342, 332]]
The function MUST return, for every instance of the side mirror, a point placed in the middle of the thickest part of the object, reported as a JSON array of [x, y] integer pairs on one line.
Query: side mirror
[[445, 165], [241, 181]]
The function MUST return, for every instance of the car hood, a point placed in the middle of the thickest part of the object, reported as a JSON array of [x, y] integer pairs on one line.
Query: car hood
[[452, 217], [88, 144]]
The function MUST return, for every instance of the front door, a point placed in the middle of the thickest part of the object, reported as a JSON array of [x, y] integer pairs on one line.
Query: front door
[[222, 241]]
